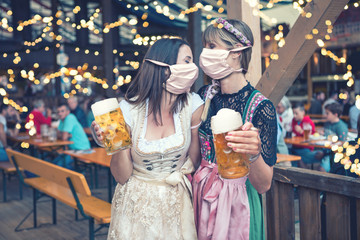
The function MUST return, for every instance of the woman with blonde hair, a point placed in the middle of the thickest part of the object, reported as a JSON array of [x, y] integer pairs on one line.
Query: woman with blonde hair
[[231, 208]]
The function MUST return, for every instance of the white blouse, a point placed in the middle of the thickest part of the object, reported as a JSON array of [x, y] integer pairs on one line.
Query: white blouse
[[164, 143]]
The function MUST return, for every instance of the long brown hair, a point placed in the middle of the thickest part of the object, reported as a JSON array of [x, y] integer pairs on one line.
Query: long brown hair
[[151, 79]]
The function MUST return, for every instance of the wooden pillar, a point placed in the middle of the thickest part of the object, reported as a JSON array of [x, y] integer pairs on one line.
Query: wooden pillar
[[195, 40], [241, 10], [82, 34], [281, 73], [309, 82], [54, 9], [21, 12], [108, 45]]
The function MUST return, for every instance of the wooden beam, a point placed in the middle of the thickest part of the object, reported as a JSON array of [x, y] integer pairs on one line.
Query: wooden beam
[[309, 83], [281, 73], [241, 10]]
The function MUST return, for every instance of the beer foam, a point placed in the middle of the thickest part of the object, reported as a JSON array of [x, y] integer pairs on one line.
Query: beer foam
[[104, 106], [225, 120]]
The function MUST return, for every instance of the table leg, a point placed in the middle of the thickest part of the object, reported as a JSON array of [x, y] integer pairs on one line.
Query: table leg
[[109, 185]]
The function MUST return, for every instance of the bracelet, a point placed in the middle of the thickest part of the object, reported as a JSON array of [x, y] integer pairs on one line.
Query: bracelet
[[254, 158]]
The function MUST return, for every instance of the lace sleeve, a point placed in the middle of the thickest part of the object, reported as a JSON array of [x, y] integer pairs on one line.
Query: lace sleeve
[[265, 120]]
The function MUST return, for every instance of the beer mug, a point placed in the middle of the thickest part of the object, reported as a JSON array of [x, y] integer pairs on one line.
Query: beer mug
[[307, 131], [52, 134], [230, 164], [108, 115], [44, 132]]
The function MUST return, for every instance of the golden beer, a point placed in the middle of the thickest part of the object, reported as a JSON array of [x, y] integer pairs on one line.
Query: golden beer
[[108, 115], [230, 164], [306, 134], [307, 130]]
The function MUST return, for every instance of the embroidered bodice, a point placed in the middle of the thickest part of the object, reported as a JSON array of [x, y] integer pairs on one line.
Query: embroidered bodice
[[163, 155], [155, 203], [264, 118]]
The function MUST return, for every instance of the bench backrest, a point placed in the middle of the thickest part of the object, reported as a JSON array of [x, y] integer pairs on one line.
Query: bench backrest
[[50, 171]]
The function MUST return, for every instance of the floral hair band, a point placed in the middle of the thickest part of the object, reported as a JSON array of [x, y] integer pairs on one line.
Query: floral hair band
[[231, 29]]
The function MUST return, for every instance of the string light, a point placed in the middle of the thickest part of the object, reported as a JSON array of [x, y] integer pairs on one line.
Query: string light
[[344, 157], [355, 4]]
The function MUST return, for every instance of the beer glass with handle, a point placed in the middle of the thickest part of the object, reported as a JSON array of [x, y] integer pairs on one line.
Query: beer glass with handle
[[230, 164], [109, 117]]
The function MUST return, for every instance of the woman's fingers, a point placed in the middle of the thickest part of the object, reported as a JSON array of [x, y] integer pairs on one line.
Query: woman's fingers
[[99, 133], [246, 140], [247, 126]]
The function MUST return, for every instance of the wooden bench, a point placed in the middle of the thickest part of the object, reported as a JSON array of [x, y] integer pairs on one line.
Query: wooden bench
[[64, 185], [8, 169]]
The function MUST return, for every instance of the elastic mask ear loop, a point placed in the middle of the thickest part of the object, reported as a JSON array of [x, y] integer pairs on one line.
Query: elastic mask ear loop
[[242, 70], [158, 63], [239, 48]]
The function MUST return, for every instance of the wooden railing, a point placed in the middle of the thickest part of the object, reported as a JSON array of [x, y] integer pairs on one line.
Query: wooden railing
[[329, 205]]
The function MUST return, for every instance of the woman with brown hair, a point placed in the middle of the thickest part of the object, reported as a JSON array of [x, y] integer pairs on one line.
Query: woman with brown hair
[[152, 199]]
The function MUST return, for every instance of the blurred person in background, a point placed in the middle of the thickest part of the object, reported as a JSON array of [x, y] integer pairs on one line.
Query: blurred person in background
[[3, 132], [37, 115], [13, 119], [285, 113], [346, 101], [334, 126], [89, 114], [316, 103], [77, 111], [70, 130], [354, 116], [332, 98], [308, 155], [333, 123]]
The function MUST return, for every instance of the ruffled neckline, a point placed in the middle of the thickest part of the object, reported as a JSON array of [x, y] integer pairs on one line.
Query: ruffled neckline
[[161, 144]]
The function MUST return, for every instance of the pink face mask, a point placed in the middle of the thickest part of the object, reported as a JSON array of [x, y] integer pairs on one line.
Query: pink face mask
[[213, 62], [182, 76]]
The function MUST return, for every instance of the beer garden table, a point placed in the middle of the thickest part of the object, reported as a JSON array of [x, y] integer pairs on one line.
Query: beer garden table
[[40, 143], [316, 143], [287, 158], [94, 156]]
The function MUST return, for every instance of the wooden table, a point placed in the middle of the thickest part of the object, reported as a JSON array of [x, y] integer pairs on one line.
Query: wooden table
[[96, 156], [39, 142], [287, 158], [316, 143]]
